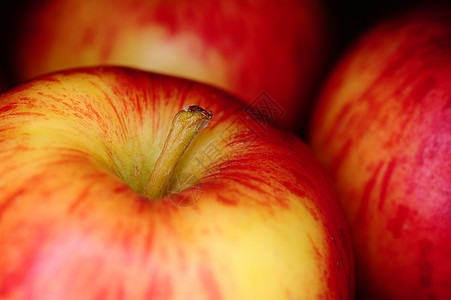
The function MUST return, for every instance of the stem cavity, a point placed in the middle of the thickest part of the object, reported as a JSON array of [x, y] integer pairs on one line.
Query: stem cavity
[[185, 126]]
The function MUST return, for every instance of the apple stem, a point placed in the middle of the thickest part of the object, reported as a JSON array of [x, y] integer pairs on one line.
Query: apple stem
[[186, 125]]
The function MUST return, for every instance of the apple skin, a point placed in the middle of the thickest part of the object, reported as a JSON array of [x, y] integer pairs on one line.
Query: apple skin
[[243, 47], [382, 128], [76, 148]]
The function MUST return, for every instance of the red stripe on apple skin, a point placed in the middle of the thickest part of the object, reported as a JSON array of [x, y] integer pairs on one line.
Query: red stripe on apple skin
[[7, 108], [339, 121], [108, 46], [386, 181], [421, 90], [6, 203], [159, 288], [227, 201], [76, 206], [34, 114], [366, 196], [339, 261], [317, 252], [343, 153], [210, 285]]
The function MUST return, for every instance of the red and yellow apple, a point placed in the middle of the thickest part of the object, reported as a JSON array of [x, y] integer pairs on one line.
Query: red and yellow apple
[[246, 213], [382, 128], [243, 47]]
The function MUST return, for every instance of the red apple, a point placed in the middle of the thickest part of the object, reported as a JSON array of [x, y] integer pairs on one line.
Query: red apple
[[246, 213], [382, 128], [244, 47]]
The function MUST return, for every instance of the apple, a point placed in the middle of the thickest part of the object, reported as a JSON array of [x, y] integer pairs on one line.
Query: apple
[[243, 47], [102, 196], [382, 128]]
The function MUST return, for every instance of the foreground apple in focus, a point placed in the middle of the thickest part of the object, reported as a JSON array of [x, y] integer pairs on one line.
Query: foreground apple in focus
[[383, 130], [244, 47], [251, 214]]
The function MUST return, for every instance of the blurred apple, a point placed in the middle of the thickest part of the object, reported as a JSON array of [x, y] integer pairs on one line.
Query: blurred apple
[[383, 130], [244, 47]]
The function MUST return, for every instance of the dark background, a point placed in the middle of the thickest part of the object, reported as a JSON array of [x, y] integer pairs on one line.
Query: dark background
[[352, 18]]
